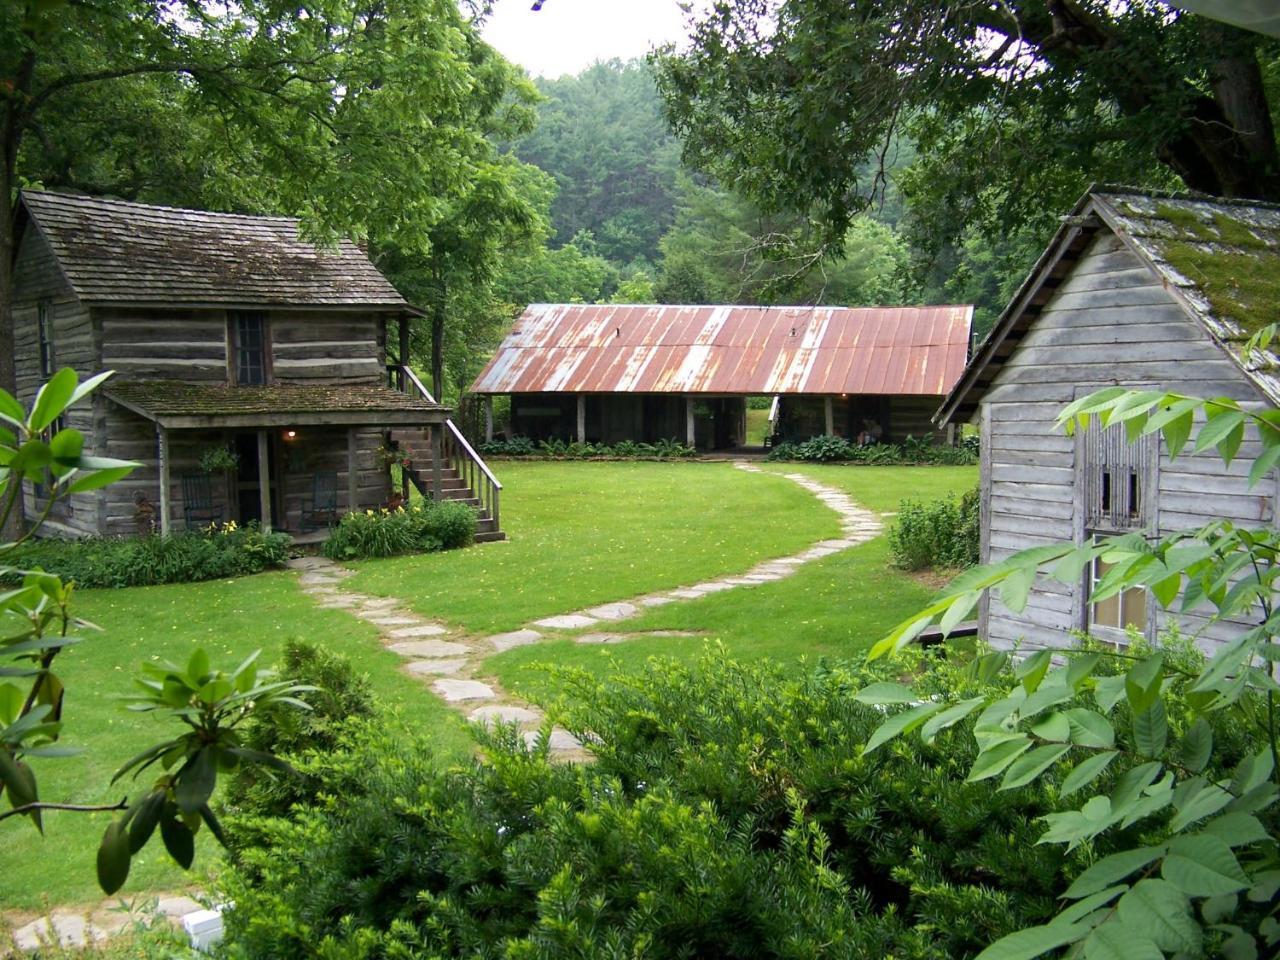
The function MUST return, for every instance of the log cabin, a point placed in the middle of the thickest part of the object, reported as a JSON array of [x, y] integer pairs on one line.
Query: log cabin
[[1141, 290], [613, 372], [251, 370]]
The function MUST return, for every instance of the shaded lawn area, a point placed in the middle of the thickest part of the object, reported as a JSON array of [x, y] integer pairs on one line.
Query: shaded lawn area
[[230, 619], [834, 607], [587, 533]]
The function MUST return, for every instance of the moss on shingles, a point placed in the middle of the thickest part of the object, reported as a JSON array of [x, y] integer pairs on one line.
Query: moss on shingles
[[1243, 287], [1235, 264]]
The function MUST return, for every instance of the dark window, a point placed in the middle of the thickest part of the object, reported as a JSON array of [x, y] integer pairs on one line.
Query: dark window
[[249, 331], [45, 323], [1118, 476]]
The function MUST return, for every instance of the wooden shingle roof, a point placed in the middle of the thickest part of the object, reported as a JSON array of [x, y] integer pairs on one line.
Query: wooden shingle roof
[[1218, 259], [114, 251], [180, 403]]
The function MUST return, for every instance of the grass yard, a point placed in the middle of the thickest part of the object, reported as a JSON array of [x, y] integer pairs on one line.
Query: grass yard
[[883, 488], [587, 533], [230, 619], [757, 427], [835, 607], [582, 533]]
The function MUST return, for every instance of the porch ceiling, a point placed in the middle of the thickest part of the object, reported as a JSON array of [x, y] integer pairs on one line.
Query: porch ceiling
[[176, 404]]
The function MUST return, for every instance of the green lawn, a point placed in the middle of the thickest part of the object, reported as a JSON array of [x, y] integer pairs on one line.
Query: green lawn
[[884, 488], [587, 533], [757, 427], [582, 533], [230, 619], [836, 606]]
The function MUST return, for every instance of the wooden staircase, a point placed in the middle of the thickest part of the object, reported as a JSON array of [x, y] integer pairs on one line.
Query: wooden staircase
[[463, 476], [454, 484]]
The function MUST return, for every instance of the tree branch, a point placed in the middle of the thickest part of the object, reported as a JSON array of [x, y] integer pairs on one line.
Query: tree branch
[[75, 807]]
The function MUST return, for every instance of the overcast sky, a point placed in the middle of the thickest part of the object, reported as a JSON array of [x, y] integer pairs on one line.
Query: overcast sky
[[567, 35]]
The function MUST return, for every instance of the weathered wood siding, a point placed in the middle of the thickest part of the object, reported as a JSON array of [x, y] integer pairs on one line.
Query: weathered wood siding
[[37, 280], [1111, 322], [295, 464], [192, 344]]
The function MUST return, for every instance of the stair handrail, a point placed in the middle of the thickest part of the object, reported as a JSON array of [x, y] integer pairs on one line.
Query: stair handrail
[[452, 427]]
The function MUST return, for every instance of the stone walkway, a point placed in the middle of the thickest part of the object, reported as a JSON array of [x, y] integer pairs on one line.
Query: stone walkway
[[451, 661], [70, 927]]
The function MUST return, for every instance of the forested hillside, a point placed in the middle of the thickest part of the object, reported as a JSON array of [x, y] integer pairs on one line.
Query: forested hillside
[[630, 222]]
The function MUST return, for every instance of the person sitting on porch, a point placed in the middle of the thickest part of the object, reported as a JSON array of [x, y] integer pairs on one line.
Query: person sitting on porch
[[871, 433]]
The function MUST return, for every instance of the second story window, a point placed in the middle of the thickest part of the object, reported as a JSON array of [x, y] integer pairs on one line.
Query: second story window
[[249, 341]]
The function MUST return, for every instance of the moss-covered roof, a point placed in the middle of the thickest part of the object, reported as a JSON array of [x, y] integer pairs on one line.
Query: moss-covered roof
[[1223, 256], [159, 399]]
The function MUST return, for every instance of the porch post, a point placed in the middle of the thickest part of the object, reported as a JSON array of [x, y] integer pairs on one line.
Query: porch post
[[690, 439], [488, 417], [162, 435], [404, 350], [437, 455], [264, 479], [353, 471], [582, 418], [951, 434], [828, 412]]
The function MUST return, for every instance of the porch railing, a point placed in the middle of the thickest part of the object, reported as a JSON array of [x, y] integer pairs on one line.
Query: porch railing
[[455, 451]]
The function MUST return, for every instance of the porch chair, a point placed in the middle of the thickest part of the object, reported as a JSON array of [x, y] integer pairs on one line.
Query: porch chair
[[322, 509], [198, 509]]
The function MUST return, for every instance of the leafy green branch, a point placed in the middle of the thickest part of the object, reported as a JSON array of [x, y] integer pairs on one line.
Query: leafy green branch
[[1136, 744]]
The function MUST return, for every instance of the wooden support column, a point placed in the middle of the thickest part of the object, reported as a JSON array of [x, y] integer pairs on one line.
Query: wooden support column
[[162, 436], [264, 479], [690, 437], [582, 418], [437, 465], [404, 350], [488, 417], [353, 471], [828, 412]]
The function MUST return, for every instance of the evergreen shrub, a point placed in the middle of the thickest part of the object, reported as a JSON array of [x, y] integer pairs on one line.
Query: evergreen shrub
[[945, 533], [220, 551], [729, 812]]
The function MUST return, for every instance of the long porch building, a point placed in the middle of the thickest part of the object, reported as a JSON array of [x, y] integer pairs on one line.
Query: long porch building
[[608, 373]]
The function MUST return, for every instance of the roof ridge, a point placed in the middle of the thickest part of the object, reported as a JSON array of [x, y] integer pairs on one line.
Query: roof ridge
[[86, 199], [1194, 195]]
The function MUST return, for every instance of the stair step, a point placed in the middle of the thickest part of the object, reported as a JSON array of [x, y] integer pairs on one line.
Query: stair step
[[492, 536]]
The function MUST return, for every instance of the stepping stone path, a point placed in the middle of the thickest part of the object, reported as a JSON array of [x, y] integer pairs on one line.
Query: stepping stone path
[[452, 662], [445, 659], [75, 928]]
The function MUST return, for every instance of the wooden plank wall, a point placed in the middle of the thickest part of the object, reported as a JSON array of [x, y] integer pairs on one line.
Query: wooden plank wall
[[1111, 322], [315, 449], [36, 279], [192, 344]]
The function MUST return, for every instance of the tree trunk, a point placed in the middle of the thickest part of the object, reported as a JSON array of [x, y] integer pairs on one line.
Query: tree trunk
[[8, 251], [1221, 144], [437, 340]]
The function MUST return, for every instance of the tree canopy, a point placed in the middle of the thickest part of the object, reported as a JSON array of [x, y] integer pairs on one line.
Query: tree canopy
[[1014, 107], [371, 121]]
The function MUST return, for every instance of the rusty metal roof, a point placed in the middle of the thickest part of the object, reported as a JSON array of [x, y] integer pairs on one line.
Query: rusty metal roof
[[621, 348]]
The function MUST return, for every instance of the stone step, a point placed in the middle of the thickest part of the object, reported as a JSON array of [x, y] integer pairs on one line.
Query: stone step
[[492, 536]]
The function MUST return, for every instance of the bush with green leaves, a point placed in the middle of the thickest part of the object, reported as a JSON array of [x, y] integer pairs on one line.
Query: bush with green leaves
[[945, 533], [423, 527], [37, 626], [913, 450], [573, 450], [339, 698], [728, 812], [219, 552], [1176, 762]]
